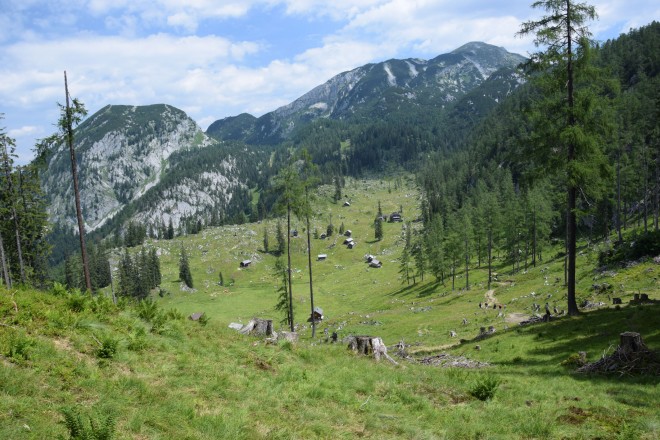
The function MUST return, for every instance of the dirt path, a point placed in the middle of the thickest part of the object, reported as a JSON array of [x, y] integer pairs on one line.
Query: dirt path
[[514, 318]]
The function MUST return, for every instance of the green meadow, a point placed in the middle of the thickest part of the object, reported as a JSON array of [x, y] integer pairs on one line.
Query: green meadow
[[147, 372]]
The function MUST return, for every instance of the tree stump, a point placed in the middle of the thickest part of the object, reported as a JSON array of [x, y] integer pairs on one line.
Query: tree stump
[[368, 345], [644, 297], [617, 301], [288, 336], [631, 342], [258, 327], [636, 297], [361, 344]]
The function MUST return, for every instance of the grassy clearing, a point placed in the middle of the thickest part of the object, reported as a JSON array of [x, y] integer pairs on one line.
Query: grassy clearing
[[161, 376]]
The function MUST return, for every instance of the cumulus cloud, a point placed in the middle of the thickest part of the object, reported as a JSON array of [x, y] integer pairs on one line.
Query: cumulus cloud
[[150, 51]]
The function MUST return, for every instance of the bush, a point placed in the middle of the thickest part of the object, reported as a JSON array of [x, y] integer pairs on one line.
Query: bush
[[58, 289], [137, 340], [147, 309], [20, 346], [107, 347], [76, 302], [484, 389]]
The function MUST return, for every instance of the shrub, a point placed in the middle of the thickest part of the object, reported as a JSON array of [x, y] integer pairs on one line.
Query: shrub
[[147, 309], [76, 302], [19, 347], [137, 340], [107, 347], [484, 389], [203, 320], [58, 289], [174, 315]]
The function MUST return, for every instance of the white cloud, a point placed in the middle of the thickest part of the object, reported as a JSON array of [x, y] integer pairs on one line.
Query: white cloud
[[23, 131], [136, 54]]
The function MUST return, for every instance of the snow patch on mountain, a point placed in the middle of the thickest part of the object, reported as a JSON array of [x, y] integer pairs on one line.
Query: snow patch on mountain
[[391, 79]]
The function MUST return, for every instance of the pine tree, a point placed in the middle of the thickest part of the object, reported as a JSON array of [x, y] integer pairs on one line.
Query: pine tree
[[155, 267], [9, 195], [281, 241], [265, 240], [127, 275], [184, 269], [170, 230], [282, 290], [405, 262], [287, 185], [434, 244], [567, 120], [378, 229]]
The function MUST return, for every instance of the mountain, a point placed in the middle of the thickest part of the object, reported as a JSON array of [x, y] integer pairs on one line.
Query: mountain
[[379, 91], [149, 164]]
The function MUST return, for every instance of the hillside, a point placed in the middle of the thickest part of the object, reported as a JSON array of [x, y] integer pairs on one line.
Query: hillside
[[173, 378]]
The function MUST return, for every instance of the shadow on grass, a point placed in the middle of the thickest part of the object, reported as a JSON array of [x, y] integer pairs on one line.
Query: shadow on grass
[[595, 332], [422, 289]]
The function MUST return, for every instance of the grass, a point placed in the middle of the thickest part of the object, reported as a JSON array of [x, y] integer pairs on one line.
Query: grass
[[168, 377]]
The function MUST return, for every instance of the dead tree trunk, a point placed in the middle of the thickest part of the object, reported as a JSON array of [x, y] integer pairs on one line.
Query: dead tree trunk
[[76, 190], [4, 262]]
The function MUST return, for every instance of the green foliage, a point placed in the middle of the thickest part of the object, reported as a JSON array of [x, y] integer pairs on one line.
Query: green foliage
[[184, 269], [77, 301], [203, 320], [137, 340], [645, 244], [147, 309], [20, 347], [281, 288], [485, 388], [90, 427], [58, 289], [108, 346], [378, 229]]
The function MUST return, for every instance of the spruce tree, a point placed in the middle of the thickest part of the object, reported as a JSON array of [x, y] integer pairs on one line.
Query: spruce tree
[[184, 269], [265, 239], [281, 241]]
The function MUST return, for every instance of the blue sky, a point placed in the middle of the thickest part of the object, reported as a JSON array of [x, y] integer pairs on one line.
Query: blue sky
[[215, 59]]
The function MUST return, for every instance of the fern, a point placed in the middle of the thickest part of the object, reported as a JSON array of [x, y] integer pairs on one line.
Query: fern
[[88, 428]]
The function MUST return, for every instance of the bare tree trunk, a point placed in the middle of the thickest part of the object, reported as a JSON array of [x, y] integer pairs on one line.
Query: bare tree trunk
[[490, 256], [618, 196], [76, 190], [467, 261], [311, 286], [5, 265], [288, 254], [534, 237]]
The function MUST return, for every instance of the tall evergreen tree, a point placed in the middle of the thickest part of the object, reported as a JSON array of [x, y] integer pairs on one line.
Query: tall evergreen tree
[[287, 185], [8, 194], [265, 239], [281, 241], [184, 268], [282, 290], [564, 61]]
